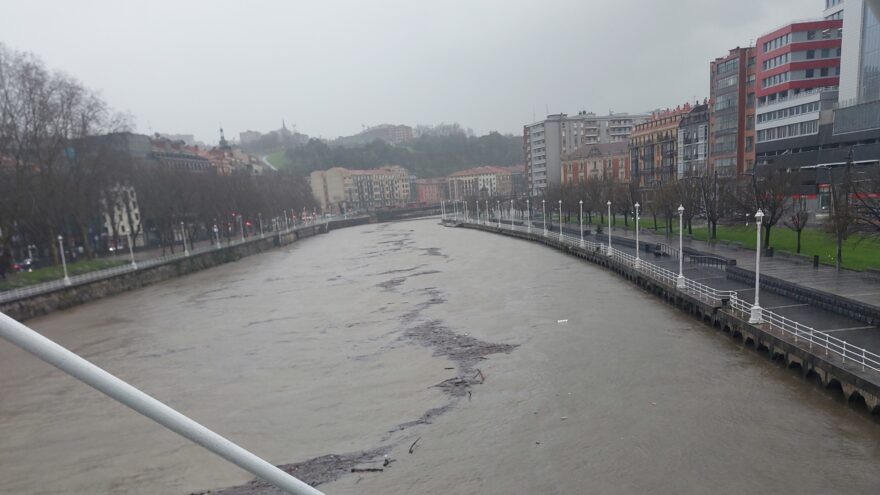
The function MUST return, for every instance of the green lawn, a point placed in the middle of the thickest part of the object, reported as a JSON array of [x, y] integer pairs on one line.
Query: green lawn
[[40, 275], [278, 160], [859, 252]]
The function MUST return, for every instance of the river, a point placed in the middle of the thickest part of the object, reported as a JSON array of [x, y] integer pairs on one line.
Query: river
[[558, 377]]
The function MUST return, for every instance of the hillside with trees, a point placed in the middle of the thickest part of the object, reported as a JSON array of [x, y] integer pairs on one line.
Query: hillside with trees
[[431, 154]]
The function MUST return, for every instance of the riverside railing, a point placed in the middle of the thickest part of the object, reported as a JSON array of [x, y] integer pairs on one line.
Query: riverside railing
[[53, 285], [801, 334], [804, 335]]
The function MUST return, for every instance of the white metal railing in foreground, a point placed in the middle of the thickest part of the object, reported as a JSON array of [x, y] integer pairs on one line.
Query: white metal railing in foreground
[[802, 334], [79, 368], [42, 288], [809, 336]]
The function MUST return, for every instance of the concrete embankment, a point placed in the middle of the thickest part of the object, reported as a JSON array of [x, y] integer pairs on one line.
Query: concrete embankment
[[66, 297], [856, 384]]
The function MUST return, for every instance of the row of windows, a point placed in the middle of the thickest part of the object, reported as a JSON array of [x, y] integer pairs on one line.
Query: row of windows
[[788, 131], [774, 80], [727, 82], [777, 43], [776, 61], [724, 102], [825, 34], [823, 53], [823, 72], [789, 112], [729, 66]]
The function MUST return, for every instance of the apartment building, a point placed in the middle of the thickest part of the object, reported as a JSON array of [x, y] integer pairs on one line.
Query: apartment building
[[545, 143]]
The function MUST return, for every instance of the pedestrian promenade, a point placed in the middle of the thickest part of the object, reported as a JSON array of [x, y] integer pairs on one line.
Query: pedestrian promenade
[[850, 283], [846, 283]]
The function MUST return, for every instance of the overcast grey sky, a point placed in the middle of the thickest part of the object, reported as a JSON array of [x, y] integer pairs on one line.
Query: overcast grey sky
[[332, 66]]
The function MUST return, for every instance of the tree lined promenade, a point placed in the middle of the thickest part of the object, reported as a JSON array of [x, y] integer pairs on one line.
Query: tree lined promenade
[[70, 180]]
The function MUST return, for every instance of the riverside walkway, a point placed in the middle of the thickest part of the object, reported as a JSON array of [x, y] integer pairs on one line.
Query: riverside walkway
[[789, 315], [797, 270], [845, 283]]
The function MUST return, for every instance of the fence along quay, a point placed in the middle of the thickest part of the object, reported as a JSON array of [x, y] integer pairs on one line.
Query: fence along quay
[[831, 359]]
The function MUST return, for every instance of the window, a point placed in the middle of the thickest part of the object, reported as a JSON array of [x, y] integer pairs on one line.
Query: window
[[826, 33], [808, 73], [811, 54], [811, 35], [826, 53], [824, 72], [750, 100], [750, 122]]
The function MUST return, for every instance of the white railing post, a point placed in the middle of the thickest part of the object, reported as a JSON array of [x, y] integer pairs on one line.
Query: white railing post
[[104, 382]]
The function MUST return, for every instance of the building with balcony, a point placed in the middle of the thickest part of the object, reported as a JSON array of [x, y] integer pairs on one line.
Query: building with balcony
[[798, 76], [693, 142], [653, 147], [480, 182], [732, 94], [545, 143]]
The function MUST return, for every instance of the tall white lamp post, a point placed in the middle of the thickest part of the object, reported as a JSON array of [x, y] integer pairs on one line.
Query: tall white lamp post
[[183, 236], [609, 227], [241, 227], [544, 215], [757, 316], [679, 282], [498, 211], [560, 220], [260, 215], [134, 265], [529, 215], [581, 202], [217, 235], [638, 262], [63, 260]]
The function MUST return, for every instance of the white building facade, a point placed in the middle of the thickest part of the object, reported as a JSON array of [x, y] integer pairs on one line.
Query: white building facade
[[547, 141]]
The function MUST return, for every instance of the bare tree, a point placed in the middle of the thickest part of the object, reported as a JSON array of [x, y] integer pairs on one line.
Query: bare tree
[[843, 219], [771, 192], [797, 220]]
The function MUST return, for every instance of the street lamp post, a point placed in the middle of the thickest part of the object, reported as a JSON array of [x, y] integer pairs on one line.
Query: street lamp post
[[756, 316], [442, 211], [511, 214], [241, 227], [498, 211], [679, 282], [260, 216], [609, 227], [529, 215], [134, 265], [638, 246], [544, 215], [217, 235], [560, 220], [63, 260], [581, 216], [183, 236]]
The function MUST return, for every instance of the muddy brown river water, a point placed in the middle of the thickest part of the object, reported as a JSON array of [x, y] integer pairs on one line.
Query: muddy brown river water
[[362, 341]]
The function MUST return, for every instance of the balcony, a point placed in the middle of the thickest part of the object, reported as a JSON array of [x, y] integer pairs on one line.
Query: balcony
[[799, 96]]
